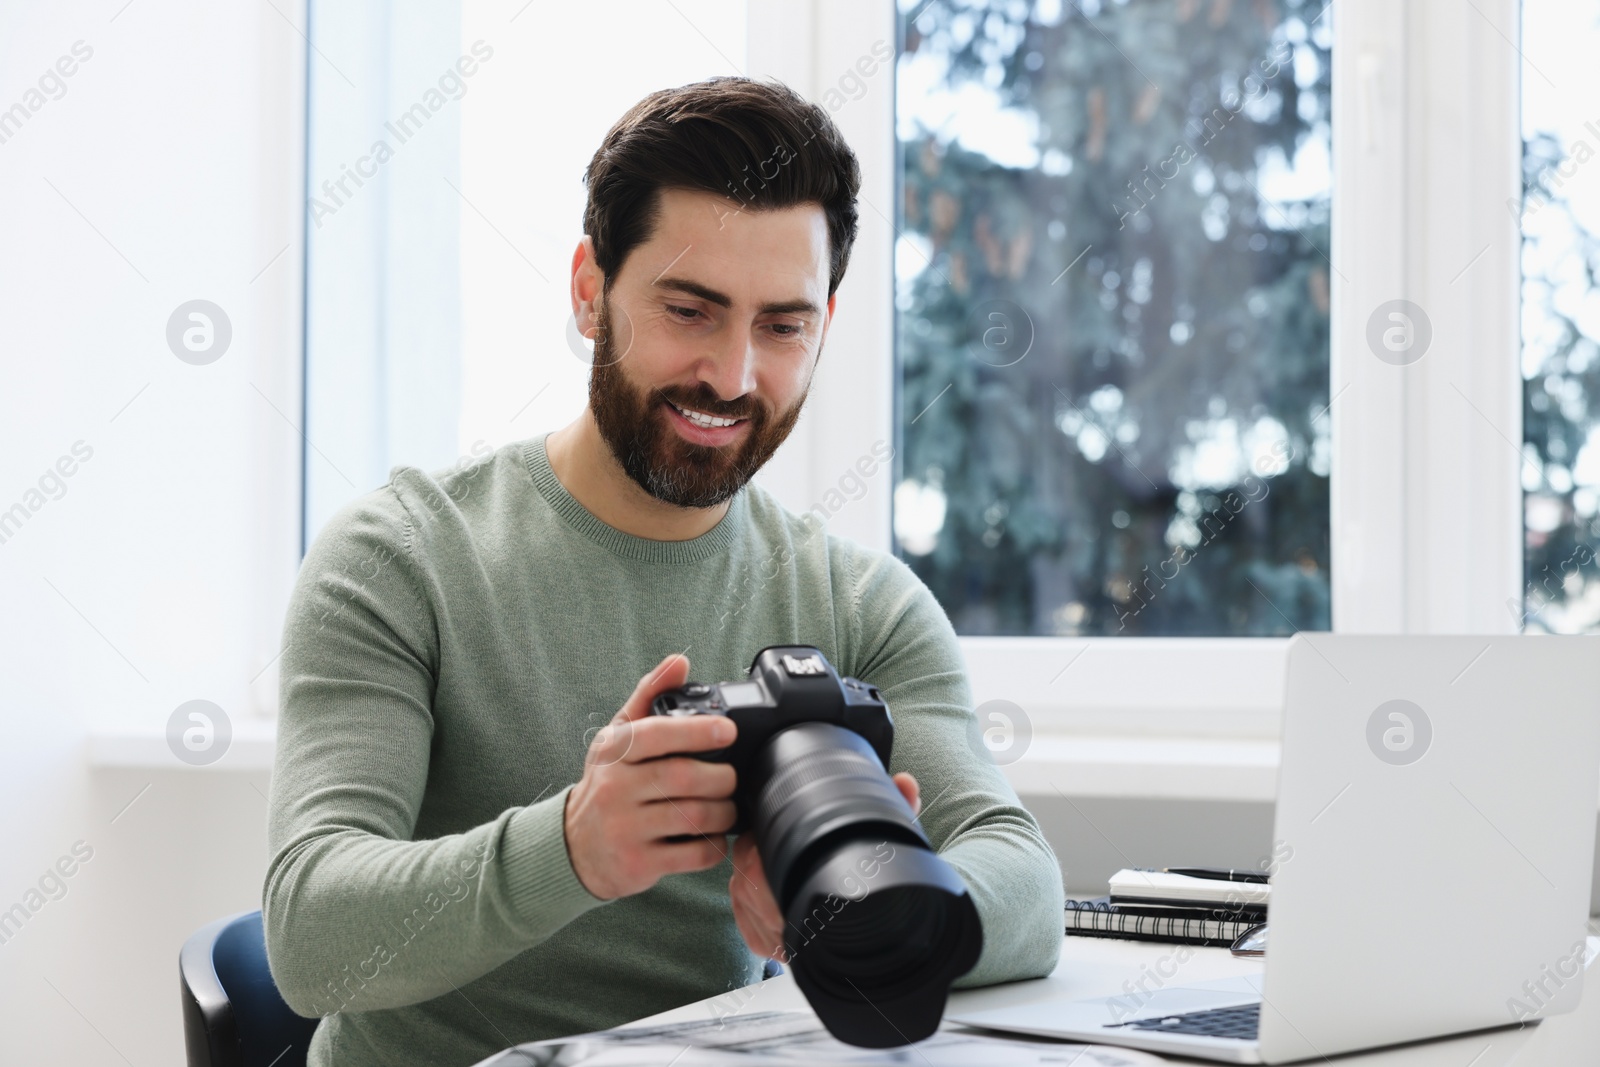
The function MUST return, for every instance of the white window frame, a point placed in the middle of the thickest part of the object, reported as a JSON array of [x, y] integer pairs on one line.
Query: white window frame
[[1426, 497], [1426, 502]]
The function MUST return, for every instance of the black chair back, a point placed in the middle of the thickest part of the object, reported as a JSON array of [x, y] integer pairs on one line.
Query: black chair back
[[233, 1015]]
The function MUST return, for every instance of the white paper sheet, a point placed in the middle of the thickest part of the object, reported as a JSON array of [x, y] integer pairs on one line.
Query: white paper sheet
[[791, 1037]]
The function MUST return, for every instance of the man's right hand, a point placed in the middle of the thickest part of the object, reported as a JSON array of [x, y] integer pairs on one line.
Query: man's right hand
[[628, 802]]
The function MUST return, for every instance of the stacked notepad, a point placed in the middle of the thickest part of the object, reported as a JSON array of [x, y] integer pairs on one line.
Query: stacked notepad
[[1157, 906]]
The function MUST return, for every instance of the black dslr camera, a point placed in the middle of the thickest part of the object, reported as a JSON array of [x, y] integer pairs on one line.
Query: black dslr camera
[[877, 925]]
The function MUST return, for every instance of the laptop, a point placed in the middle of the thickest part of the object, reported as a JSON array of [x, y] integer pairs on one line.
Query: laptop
[[1432, 857]]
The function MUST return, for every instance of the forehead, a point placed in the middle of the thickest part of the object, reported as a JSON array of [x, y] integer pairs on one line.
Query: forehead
[[753, 256]]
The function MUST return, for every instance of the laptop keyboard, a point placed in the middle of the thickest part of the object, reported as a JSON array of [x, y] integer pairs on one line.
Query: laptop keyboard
[[1241, 1023]]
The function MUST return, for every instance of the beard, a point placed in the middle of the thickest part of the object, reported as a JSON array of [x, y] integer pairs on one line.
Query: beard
[[634, 424]]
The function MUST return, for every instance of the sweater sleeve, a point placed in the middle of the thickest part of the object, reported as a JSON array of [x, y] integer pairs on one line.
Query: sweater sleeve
[[904, 644], [357, 915]]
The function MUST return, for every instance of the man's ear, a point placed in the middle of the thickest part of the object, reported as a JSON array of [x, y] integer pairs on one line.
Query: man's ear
[[826, 322], [588, 281]]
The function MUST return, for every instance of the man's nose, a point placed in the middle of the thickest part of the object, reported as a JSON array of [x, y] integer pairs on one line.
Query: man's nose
[[730, 369]]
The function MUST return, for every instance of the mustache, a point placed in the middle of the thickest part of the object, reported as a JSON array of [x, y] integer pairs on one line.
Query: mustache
[[736, 409]]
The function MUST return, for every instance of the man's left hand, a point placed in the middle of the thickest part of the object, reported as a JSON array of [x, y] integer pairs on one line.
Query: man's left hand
[[754, 907]]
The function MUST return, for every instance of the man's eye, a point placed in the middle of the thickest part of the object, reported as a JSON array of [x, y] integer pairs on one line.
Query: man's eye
[[687, 313], [785, 329]]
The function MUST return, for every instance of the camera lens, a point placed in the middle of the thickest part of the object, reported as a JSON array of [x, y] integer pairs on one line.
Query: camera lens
[[877, 925], [883, 939]]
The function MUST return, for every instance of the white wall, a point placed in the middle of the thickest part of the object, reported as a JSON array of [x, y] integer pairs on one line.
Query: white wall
[[166, 171], [527, 133]]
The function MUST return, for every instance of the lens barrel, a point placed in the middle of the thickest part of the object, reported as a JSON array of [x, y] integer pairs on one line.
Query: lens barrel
[[877, 925]]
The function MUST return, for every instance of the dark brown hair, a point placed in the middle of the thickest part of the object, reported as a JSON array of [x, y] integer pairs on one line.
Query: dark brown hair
[[725, 135]]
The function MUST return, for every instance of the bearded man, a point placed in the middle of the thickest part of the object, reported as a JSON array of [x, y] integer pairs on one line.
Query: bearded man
[[478, 836]]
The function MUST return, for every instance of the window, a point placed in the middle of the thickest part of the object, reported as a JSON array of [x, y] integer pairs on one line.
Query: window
[[1395, 494], [438, 322], [1560, 222], [1113, 293]]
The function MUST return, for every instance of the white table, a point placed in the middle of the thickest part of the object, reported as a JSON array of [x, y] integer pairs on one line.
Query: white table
[[1097, 967]]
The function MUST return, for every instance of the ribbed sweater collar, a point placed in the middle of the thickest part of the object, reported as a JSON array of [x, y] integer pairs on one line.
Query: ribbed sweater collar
[[574, 514]]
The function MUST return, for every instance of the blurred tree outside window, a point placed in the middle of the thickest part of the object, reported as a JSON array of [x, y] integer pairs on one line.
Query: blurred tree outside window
[[1559, 217], [1112, 294]]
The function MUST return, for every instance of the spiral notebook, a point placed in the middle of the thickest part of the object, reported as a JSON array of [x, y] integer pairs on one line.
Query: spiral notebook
[[1099, 917]]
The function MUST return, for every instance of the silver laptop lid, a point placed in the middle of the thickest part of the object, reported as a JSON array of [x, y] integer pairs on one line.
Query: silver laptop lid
[[1434, 836]]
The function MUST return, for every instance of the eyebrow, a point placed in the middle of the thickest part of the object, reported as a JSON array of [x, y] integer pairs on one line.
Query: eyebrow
[[705, 292]]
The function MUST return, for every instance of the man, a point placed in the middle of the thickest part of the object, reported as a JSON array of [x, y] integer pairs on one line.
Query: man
[[473, 842]]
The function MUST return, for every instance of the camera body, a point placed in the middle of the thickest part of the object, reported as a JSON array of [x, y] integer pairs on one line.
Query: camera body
[[788, 685], [877, 925]]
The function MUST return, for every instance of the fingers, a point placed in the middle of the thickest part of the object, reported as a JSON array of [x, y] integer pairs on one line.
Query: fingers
[[670, 673], [681, 780], [614, 740], [744, 850], [685, 776], [671, 817], [754, 909], [910, 790], [669, 735], [698, 854], [747, 871], [761, 938]]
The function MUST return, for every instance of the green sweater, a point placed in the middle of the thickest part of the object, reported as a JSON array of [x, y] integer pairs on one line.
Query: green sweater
[[453, 642]]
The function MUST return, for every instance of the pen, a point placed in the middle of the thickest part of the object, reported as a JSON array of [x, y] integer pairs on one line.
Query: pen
[[1220, 875]]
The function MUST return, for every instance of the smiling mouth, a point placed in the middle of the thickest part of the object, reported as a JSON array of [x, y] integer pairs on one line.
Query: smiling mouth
[[702, 420]]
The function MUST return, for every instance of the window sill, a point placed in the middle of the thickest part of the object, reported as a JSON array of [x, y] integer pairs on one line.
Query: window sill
[[145, 748], [1168, 768], [1152, 767]]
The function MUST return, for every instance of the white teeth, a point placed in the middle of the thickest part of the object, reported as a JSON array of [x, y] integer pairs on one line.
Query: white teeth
[[708, 421]]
